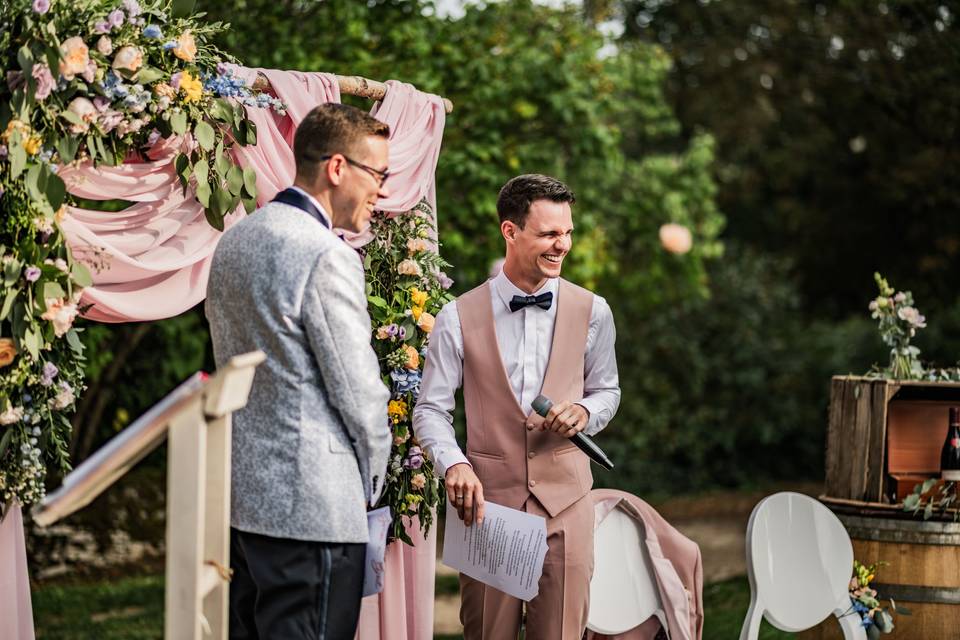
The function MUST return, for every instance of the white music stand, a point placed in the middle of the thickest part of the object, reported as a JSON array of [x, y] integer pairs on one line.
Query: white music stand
[[799, 561], [195, 418]]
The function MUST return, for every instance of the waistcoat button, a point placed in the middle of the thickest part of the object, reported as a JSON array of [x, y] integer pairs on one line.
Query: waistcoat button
[[532, 483], [531, 454]]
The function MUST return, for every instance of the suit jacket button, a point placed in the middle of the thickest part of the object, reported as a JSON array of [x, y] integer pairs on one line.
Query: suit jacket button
[[532, 483], [531, 454]]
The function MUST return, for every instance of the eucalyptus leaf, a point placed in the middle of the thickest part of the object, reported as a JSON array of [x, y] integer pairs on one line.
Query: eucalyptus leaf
[[205, 135], [11, 272], [56, 190], [251, 132], [182, 165], [213, 219], [31, 341], [927, 485], [146, 75], [220, 202], [911, 502], [377, 301], [67, 148], [25, 58], [178, 122], [250, 180], [8, 303], [73, 339], [52, 290], [18, 161], [201, 170], [203, 194], [72, 118], [249, 204], [235, 180], [32, 182], [5, 440], [81, 275]]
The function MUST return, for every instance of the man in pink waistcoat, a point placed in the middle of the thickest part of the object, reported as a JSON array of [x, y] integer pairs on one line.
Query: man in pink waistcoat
[[524, 332]]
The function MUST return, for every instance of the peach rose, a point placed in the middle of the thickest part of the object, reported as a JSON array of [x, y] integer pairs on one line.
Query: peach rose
[[85, 110], [129, 57], [409, 268], [61, 314], [425, 322], [74, 57], [676, 238], [413, 358], [186, 48], [418, 481], [8, 352]]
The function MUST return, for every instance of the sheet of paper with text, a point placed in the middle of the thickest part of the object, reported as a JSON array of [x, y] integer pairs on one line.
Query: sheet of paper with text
[[506, 552]]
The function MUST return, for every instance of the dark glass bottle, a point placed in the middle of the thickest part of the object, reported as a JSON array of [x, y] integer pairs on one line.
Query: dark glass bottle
[[950, 455]]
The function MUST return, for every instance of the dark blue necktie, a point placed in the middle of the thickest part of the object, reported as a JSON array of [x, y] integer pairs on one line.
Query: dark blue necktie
[[544, 300], [296, 199]]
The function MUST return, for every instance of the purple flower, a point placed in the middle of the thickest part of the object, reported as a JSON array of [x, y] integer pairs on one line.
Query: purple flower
[[414, 459], [132, 7], [50, 372], [153, 137], [45, 82], [175, 80], [41, 6], [445, 281], [32, 273], [115, 19], [101, 103], [3, 151], [102, 27]]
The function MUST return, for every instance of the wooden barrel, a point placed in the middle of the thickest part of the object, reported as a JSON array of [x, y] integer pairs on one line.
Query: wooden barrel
[[923, 574]]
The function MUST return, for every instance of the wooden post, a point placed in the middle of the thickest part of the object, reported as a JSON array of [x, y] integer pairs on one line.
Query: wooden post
[[196, 419]]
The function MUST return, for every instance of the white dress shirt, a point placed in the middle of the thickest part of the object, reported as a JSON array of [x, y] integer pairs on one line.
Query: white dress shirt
[[316, 203], [524, 338]]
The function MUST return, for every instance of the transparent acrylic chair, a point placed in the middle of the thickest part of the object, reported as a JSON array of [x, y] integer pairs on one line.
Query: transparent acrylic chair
[[799, 560]]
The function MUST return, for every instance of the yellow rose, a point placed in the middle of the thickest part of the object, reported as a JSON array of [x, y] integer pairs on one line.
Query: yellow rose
[[8, 352], [425, 322], [32, 145], [186, 48], [418, 297], [397, 410], [191, 87], [415, 311], [413, 358], [74, 57], [129, 57]]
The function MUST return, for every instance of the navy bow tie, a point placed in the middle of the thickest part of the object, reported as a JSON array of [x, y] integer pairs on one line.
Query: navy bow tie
[[544, 300]]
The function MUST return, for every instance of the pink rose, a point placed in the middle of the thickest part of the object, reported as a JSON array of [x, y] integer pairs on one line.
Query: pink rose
[[45, 82], [105, 45]]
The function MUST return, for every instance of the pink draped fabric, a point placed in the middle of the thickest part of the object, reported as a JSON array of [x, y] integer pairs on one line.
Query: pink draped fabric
[[152, 260], [404, 610], [16, 614]]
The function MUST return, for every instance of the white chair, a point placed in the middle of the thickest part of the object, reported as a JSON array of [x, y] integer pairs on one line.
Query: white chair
[[799, 560], [623, 593]]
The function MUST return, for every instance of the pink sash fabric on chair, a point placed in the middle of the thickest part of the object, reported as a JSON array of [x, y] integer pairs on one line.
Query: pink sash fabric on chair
[[16, 613]]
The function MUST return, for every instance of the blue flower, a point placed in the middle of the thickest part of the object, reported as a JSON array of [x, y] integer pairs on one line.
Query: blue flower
[[406, 381], [152, 31], [172, 44]]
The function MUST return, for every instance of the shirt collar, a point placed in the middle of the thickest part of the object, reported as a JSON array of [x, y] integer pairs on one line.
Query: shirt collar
[[315, 203], [506, 289]]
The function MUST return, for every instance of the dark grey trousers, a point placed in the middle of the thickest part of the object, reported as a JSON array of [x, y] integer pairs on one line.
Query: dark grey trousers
[[286, 589]]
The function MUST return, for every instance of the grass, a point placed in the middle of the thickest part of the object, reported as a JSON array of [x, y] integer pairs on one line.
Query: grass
[[132, 609]]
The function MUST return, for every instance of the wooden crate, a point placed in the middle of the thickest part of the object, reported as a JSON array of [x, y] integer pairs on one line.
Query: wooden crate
[[884, 434]]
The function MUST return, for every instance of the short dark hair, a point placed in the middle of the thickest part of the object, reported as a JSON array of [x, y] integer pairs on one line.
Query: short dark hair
[[332, 128], [519, 193]]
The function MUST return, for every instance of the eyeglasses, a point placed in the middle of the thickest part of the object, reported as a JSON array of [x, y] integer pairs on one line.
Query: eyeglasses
[[379, 176]]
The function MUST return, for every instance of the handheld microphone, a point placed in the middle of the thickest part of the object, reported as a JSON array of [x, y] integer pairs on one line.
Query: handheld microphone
[[542, 404]]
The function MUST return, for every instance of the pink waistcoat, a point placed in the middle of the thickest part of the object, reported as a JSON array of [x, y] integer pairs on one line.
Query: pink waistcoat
[[511, 461]]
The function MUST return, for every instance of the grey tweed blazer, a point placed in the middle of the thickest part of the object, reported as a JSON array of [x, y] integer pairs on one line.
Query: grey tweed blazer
[[310, 448]]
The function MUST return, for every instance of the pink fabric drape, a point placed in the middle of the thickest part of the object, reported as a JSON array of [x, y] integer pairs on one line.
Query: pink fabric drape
[[404, 610], [152, 260], [16, 613]]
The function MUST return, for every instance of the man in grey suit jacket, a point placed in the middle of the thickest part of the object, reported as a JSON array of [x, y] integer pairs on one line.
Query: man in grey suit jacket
[[310, 449]]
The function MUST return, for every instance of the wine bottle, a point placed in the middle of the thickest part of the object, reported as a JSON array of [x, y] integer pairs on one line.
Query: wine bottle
[[950, 455]]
